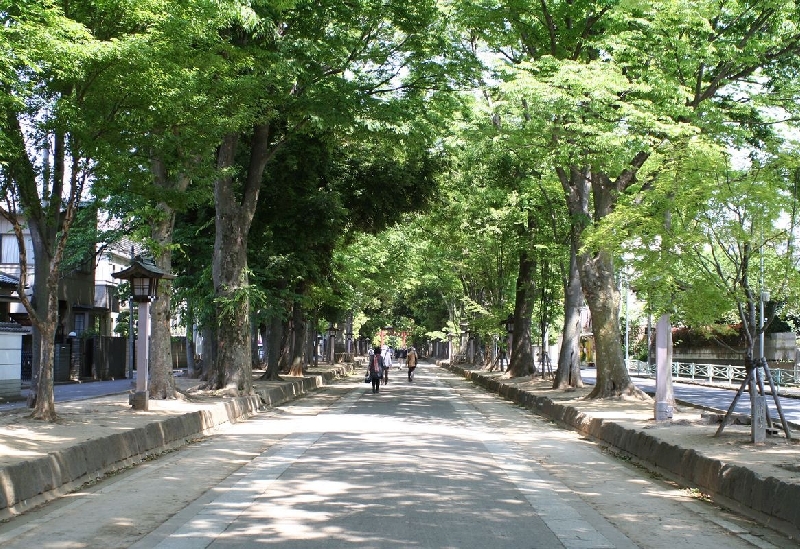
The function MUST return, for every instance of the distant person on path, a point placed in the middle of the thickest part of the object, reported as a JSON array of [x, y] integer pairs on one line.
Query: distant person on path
[[370, 354], [376, 369], [411, 361], [387, 363]]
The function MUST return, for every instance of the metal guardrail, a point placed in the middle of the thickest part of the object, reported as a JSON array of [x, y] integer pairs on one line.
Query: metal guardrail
[[713, 372]]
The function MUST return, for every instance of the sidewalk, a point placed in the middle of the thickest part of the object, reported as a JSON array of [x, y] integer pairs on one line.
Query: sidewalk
[[760, 481], [42, 461], [93, 437]]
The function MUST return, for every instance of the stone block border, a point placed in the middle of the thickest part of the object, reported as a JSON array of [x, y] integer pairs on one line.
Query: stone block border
[[771, 501], [30, 483]]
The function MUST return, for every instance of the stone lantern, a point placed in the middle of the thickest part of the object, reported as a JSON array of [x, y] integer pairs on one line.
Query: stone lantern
[[144, 276]]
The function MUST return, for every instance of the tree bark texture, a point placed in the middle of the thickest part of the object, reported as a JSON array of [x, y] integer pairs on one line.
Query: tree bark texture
[[297, 362], [162, 380], [232, 366], [522, 361], [49, 220], [568, 373], [235, 207], [596, 268], [602, 296], [45, 323], [42, 363], [273, 351], [48, 253]]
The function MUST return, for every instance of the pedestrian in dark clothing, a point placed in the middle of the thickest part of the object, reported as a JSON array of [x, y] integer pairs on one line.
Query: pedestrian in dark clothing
[[376, 370], [411, 361]]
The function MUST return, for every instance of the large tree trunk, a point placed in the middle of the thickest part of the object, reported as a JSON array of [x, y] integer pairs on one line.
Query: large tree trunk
[[297, 367], [162, 380], [45, 317], [49, 223], [40, 396], [522, 361], [44, 323], [568, 373], [274, 348], [596, 268], [602, 296], [232, 366], [234, 216]]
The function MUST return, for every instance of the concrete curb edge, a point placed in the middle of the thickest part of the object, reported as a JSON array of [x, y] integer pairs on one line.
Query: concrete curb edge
[[33, 482], [771, 501]]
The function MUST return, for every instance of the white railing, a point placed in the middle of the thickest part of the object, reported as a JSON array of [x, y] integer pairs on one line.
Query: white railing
[[713, 373]]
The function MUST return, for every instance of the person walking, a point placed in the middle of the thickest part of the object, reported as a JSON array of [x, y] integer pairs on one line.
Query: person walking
[[387, 363], [411, 362], [376, 369]]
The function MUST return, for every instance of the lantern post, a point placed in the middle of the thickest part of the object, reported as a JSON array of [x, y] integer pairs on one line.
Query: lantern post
[[332, 339], [143, 275]]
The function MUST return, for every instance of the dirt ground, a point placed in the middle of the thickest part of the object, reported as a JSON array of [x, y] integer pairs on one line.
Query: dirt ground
[[22, 438]]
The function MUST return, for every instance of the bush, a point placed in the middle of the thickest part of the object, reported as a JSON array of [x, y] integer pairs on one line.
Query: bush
[[729, 335]]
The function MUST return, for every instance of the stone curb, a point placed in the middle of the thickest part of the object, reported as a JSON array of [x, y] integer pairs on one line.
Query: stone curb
[[772, 501], [30, 483]]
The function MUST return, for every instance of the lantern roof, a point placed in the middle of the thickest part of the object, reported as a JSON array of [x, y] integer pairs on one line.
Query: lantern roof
[[142, 267]]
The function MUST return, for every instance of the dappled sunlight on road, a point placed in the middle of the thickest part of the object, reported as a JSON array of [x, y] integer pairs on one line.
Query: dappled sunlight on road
[[387, 470], [368, 472], [436, 463]]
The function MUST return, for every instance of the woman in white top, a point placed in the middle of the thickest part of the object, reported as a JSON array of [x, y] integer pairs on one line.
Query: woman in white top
[[387, 363]]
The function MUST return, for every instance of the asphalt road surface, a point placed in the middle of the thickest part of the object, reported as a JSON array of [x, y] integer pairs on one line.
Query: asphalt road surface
[[63, 392], [437, 463], [714, 397]]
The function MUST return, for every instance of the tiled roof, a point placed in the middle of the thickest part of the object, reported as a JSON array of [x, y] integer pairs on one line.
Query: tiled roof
[[13, 327], [8, 280]]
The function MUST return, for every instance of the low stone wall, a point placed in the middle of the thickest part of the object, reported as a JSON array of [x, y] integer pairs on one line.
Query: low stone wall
[[778, 348], [10, 389], [30, 483], [733, 485]]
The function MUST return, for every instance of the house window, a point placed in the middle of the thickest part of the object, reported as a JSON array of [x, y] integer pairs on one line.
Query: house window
[[9, 250], [80, 323], [85, 266]]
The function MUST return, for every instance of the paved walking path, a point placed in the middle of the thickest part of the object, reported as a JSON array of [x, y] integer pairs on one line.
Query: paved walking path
[[435, 464], [97, 435], [403, 476], [713, 396]]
